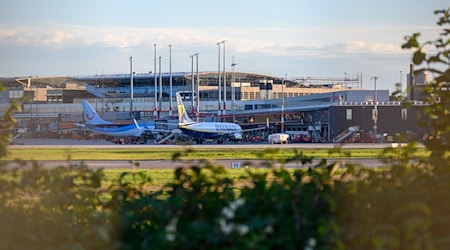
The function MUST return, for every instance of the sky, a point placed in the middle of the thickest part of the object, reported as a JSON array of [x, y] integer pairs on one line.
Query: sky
[[293, 38]]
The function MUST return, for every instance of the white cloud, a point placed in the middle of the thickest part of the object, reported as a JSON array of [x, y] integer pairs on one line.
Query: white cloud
[[266, 50], [322, 42], [372, 47], [7, 32], [58, 37], [116, 41], [353, 46]]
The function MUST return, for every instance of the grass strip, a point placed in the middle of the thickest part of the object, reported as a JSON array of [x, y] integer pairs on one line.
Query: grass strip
[[167, 153]]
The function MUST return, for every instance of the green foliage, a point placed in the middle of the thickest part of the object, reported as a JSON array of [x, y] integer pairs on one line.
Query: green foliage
[[397, 94], [7, 122], [57, 208], [437, 93], [273, 209], [402, 206]]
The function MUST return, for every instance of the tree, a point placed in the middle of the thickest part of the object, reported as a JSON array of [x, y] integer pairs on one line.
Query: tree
[[434, 57], [7, 123]]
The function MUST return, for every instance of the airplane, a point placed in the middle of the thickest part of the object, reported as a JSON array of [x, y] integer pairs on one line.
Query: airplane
[[96, 124], [207, 130]]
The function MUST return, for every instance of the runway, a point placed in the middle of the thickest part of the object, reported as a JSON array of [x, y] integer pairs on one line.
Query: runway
[[167, 164]]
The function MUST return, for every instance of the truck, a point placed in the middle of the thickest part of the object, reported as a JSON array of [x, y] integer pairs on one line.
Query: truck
[[278, 138]]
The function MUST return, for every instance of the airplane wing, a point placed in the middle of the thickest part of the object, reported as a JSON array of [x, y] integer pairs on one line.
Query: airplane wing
[[238, 135], [242, 131], [137, 124]]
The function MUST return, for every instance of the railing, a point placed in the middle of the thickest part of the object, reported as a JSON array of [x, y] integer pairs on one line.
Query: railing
[[346, 133], [389, 103]]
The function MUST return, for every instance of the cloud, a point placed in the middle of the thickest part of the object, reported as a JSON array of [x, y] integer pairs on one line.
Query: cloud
[[372, 47], [282, 41], [58, 37], [34, 37]]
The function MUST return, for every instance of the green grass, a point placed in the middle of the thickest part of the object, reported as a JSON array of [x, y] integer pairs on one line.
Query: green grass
[[166, 153], [160, 177]]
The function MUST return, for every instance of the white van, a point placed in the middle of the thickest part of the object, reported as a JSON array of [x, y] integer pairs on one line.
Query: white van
[[278, 138]]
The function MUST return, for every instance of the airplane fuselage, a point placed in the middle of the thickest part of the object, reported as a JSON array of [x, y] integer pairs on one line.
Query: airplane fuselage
[[212, 130], [118, 130]]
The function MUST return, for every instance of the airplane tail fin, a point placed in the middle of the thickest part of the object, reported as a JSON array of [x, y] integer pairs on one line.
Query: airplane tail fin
[[90, 115], [183, 117]]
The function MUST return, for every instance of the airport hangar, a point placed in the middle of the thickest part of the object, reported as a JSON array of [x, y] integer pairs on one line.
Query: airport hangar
[[335, 107]]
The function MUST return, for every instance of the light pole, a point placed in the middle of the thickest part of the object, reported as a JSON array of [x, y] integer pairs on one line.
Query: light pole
[[155, 109], [375, 110], [160, 86], [345, 79], [131, 87], [224, 80], [401, 85], [170, 80], [197, 78], [103, 96], [219, 111], [192, 83], [282, 103], [233, 89]]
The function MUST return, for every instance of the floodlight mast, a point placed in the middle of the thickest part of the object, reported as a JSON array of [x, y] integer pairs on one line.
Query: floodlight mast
[[197, 96], [160, 87], [192, 83], [170, 80], [224, 80], [282, 102], [233, 89], [219, 110], [131, 87], [375, 109], [155, 109]]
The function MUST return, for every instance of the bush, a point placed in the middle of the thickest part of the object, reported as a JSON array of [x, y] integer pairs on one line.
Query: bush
[[272, 210], [57, 208], [402, 206]]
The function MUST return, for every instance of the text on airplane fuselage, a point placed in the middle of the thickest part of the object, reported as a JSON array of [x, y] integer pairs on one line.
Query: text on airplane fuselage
[[226, 127]]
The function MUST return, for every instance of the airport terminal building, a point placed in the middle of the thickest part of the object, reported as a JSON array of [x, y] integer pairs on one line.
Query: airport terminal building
[[326, 108]]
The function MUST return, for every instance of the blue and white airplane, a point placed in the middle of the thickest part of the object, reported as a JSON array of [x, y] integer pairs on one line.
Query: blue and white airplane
[[96, 124], [207, 130]]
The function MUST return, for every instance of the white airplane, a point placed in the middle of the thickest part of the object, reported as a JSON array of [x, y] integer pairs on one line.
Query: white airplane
[[96, 124], [207, 130]]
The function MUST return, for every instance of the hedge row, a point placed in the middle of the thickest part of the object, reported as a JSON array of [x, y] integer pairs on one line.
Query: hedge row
[[404, 206]]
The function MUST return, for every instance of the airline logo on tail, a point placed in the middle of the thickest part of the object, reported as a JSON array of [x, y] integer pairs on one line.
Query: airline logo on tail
[[183, 118], [90, 115]]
